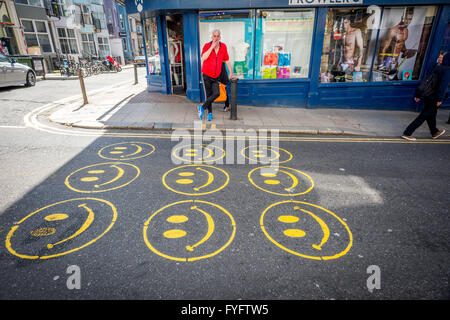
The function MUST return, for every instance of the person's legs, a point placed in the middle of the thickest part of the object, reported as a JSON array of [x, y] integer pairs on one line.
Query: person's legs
[[212, 92], [415, 124], [227, 104], [430, 114]]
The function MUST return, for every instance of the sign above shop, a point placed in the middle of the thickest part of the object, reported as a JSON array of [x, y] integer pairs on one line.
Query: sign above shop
[[322, 2]]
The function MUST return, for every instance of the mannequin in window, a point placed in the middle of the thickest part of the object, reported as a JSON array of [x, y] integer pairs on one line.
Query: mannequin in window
[[240, 57], [175, 54]]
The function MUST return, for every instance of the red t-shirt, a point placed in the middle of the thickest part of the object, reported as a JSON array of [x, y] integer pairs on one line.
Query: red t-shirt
[[213, 65]]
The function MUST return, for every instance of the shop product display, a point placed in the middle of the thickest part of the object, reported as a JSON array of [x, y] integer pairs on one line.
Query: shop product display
[[279, 65]]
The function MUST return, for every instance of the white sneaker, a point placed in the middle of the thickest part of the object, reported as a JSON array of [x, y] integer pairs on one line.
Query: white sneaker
[[410, 138]]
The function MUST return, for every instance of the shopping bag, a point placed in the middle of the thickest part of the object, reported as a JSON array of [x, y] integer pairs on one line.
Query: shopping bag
[[223, 93]]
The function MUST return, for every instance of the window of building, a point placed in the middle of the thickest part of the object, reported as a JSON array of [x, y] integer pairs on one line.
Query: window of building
[[37, 35], [35, 3], [88, 44], [402, 43], [86, 16], [375, 43], [236, 30], [121, 21], [350, 36], [130, 23], [151, 40], [125, 44], [68, 41], [283, 43], [97, 13], [103, 47]]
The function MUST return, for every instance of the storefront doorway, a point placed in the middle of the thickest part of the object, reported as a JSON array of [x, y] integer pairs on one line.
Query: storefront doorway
[[175, 47]]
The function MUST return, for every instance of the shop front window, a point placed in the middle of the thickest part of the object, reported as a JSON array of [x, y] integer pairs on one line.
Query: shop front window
[[283, 43], [151, 39], [350, 37], [236, 30], [402, 43]]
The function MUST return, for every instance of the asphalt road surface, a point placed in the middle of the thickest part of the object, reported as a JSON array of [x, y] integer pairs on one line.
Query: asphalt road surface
[[120, 217]]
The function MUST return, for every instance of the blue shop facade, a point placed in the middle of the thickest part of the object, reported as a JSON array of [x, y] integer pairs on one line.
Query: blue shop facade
[[368, 54]]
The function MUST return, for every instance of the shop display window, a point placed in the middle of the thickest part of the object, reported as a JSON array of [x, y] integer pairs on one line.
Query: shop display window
[[283, 43], [402, 42], [151, 40], [375, 43], [236, 29], [350, 37]]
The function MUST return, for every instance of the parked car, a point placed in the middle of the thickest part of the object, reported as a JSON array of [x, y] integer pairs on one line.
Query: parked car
[[140, 60], [13, 73]]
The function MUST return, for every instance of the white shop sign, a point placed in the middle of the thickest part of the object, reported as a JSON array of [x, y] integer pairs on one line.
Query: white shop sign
[[322, 2]]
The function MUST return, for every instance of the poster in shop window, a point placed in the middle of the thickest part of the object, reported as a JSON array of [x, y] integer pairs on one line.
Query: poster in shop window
[[403, 40]]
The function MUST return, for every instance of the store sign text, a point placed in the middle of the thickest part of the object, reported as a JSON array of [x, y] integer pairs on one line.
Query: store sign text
[[322, 2]]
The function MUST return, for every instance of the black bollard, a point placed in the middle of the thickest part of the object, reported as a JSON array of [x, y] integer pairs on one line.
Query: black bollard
[[233, 99]]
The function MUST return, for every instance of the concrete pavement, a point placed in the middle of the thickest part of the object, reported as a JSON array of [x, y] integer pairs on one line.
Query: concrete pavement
[[129, 106]]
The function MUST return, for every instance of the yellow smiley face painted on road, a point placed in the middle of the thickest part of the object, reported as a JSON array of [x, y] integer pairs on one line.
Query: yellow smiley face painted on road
[[126, 151], [189, 230], [102, 177], [198, 153], [266, 154], [61, 228], [282, 181], [306, 230], [195, 179]]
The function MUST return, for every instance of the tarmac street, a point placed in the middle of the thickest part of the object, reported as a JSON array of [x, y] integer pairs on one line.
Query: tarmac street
[[122, 200]]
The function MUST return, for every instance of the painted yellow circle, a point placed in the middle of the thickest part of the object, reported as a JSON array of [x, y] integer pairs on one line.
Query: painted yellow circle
[[121, 155], [297, 233], [43, 232], [198, 150], [177, 233], [49, 231], [124, 181], [205, 167], [257, 157], [274, 182]]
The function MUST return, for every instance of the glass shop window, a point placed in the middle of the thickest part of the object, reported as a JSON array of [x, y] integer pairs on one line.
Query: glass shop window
[[283, 43], [403, 42], [350, 37], [151, 40], [236, 30]]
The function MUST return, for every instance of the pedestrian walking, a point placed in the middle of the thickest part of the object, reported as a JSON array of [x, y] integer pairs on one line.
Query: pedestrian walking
[[432, 102], [214, 54]]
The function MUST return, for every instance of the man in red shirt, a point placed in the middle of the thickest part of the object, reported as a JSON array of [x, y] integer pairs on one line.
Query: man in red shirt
[[214, 53]]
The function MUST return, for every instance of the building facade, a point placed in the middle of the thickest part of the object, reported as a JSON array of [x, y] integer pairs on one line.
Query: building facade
[[58, 29], [124, 31], [137, 43], [11, 40], [299, 53], [112, 23]]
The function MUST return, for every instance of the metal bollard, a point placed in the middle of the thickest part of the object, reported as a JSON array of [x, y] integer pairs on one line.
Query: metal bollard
[[83, 88], [233, 99], [135, 74]]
